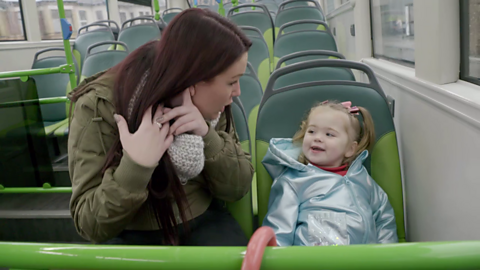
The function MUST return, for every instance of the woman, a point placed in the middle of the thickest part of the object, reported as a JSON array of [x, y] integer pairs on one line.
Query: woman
[[149, 154]]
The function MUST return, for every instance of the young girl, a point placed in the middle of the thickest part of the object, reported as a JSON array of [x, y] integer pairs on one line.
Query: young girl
[[321, 193]]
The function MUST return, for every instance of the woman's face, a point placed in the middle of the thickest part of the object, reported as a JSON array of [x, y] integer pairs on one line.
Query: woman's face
[[212, 97]]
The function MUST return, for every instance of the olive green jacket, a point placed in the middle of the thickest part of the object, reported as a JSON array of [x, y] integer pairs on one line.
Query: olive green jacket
[[104, 205]]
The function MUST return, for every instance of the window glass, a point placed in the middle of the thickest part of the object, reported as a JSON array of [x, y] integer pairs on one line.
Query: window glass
[[470, 33], [77, 12], [393, 30], [11, 22], [131, 11]]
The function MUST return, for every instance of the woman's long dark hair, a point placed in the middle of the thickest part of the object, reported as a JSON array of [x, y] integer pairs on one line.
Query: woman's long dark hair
[[196, 46]]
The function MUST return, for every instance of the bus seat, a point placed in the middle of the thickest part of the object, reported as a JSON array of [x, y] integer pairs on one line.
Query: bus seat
[[137, 35], [258, 54], [242, 210], [113, 26], [259, 18], [170, 13], [302, 26], [308, 72], [96, 60], [275, 121], [306, 56], [297, 3], [89, 37], [303, 40], [52, 85], [273, 14], [251, 96], [160, 23], [102, 60], [290, 11]]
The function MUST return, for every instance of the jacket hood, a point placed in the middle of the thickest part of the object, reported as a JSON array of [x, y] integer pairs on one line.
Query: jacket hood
[[283, 153]]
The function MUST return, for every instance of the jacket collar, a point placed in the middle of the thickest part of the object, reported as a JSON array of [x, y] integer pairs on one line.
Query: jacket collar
[[286, 153]]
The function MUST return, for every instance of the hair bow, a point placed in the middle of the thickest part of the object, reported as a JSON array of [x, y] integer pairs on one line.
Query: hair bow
[[353, 110]]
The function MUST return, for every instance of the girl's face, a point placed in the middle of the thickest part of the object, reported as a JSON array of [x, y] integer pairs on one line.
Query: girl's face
[[212, 97], [327, 142]]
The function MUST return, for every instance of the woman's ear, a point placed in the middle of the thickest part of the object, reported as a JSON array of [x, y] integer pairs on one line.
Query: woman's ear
[[192, 90]]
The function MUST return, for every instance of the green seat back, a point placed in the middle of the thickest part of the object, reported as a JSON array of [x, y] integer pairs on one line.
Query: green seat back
[[137, 35], [300, 26], [52, 85], [103, 60], [169, 14], [85, 39], [113, 26], [258, 54], [299, 13], [299, 3], [304, 40], [251, 96], [303, 56], [273, 14], [259, 18], [242, 210], [270, 6], [282, 111], [309, 72]]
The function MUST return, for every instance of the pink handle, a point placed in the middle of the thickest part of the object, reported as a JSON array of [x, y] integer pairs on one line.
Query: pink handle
[[262, 238]]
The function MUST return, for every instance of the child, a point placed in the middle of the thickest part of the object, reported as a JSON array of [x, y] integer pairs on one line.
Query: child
[[321, 193]]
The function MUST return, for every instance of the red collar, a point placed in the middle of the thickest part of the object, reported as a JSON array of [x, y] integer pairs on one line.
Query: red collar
[[342, 170]]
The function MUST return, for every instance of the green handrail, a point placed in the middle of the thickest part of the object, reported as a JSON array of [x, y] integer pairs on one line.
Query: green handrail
[[24, 74], [34, 190], [428, 255], [40, 101], [66, 45]]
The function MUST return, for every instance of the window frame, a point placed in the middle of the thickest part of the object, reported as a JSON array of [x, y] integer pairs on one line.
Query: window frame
[[24, 29], [465, 44]]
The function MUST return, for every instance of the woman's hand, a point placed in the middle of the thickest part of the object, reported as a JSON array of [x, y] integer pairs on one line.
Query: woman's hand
[[148, 144], [187, 117]]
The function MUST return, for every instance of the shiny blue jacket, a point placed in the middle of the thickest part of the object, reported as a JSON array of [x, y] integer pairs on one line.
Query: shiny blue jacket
[[309, 206]]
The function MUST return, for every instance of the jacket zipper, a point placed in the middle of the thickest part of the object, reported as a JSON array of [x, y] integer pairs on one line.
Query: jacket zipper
[[365, 221]]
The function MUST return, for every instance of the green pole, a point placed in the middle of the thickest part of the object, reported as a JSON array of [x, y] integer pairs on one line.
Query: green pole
[[68, 51], [234, 4], [221, 9], [156, 5]]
